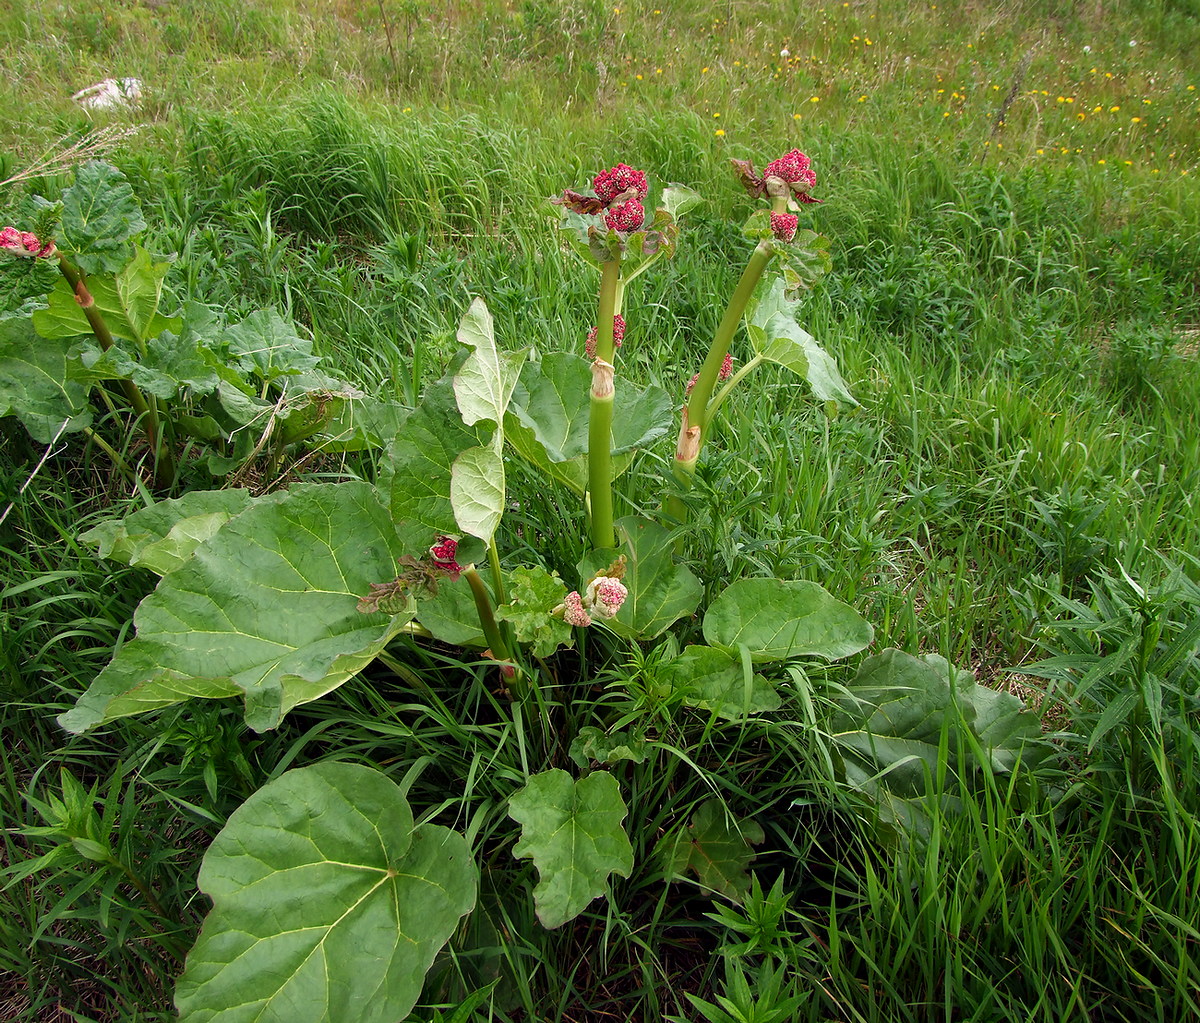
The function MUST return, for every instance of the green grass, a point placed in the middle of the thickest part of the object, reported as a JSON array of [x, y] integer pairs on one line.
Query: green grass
[[1011, 305]]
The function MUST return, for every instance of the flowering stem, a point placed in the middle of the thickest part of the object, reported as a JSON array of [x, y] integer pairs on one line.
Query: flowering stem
[[600, 423]]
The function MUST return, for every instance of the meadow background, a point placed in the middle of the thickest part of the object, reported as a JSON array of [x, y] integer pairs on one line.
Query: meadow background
[[1011, 192]]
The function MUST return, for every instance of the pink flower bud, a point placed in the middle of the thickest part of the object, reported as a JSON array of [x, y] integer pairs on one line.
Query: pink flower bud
[[726, 370], [604, 596], [618, 336], [608, 184], [573, 612], [25, 243], [443, 554], [626, 217], [691, 384], [783, 226]]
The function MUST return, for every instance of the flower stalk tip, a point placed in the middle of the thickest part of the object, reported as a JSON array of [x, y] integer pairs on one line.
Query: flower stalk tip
[[25, 243]]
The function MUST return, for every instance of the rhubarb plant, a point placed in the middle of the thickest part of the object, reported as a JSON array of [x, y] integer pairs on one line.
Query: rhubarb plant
[[88, 320], [277, 600]]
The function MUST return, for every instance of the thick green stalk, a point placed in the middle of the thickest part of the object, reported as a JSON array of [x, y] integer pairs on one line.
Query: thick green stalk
[[487, 615], [600, 423], [702, 392]]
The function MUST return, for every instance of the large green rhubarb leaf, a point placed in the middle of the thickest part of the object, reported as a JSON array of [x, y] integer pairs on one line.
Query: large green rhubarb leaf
[[163, 536], [40, 382], [904, 720], [777, 619], [266, 609], [572, 831], [267, 345], [551, 401], [128, 301], [329, 905], [428, 441]]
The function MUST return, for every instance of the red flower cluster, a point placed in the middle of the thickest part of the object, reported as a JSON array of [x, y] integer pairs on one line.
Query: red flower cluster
[[618, 335], [628, 216], [25, 243], [796, 169], [442, 553], [724, 373], [783, 226], [609, 184]]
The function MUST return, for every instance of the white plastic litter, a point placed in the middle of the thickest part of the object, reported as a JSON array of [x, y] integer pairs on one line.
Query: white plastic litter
[[111, 94]]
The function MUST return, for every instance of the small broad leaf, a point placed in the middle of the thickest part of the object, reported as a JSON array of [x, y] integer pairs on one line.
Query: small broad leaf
[[678, 199], [163, 536], [485, 381], [266, 609], [660, 590], [267, 345], [533, 594], [805, 260], [451, 614], [715, 848], [328, 903], [477, 490], [100, 217], [714, 680], [778, 338], [593, 744], [779, 619], [572, 832], [41, 382], [417, 479], [551, 400]]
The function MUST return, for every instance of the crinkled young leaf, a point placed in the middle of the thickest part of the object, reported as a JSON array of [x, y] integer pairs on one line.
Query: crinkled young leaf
[[661, 591], [328, 904], [778, 619], [717, 849], [484, 382], [593, 744], [714, 680], [572, 832], [41, 382], [266, 608], [163, 536], [533, 593], [100, 217], [267, 345], [24, 279]]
